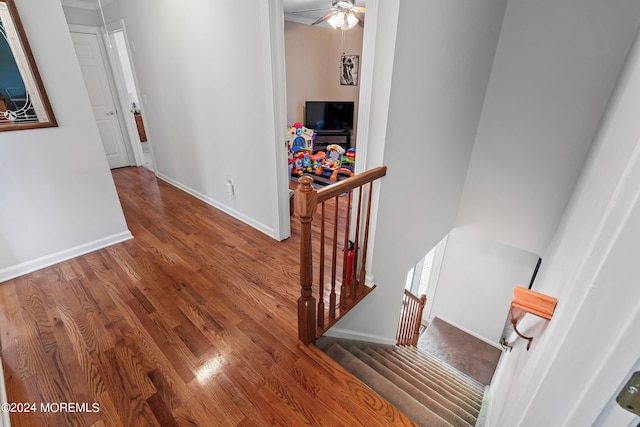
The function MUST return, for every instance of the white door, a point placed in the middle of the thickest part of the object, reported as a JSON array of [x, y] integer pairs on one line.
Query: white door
[[100, 95]]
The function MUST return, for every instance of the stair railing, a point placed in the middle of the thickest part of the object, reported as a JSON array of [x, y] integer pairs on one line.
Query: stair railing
[[410, 319], [320, 308]]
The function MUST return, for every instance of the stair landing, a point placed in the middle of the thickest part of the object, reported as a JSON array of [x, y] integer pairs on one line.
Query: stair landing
[[460, 350]]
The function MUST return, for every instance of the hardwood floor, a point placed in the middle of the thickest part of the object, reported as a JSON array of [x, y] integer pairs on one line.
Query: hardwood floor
[[193, 322]]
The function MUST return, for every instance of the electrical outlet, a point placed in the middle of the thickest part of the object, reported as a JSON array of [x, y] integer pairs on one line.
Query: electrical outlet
[[230, 189]]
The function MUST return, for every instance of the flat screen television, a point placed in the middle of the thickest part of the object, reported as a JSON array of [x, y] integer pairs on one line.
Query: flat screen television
[[329, 115]]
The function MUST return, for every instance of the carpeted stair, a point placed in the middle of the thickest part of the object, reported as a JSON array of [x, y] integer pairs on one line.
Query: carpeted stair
[[427, 390]]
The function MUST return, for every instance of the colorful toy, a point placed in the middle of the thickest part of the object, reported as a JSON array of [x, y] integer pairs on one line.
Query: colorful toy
[[302, 159], [300, 143], [349, 157], [333, 159], [300, 162], [300, 138], [334, 175], [317, 162]]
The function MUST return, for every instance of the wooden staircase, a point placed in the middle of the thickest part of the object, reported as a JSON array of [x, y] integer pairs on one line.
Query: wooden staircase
[[333, 249], [333, 252], [427, 390]]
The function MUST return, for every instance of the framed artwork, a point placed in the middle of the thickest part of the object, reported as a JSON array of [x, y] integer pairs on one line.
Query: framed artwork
[[23, 101], [349, 70]]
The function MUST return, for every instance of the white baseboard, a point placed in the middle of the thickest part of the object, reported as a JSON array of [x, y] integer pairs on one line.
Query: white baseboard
[[352, 335], [269, 231], [481, 338], [483, 419], [48, 260]]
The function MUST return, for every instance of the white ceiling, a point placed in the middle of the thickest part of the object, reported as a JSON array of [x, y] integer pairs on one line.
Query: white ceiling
[[290, 8]]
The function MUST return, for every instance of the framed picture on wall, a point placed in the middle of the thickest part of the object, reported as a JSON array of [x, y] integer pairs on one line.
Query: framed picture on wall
[[23, 101], [349, 69]]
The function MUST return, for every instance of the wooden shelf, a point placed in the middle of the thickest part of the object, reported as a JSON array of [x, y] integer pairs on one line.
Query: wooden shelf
[[141, 132], [533, 302]]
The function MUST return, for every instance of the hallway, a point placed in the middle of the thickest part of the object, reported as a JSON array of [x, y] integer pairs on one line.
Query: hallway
[[192, 322]]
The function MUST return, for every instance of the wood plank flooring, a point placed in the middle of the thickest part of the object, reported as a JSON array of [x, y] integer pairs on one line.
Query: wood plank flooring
[[191, 323]]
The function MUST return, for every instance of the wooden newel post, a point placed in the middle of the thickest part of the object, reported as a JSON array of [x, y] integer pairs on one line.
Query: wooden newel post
[[306, 202]]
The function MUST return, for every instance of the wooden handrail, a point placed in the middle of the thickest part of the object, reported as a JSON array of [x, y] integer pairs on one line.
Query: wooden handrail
[[343, 291], [351, 183], [410, 319]]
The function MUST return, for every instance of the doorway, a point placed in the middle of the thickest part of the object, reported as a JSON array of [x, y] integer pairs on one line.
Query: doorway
[[128, 93], [378, 49], [274, 33], [99, 82], [112, 87]]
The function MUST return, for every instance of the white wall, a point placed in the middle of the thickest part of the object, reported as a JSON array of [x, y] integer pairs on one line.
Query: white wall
[[80, 16], [540, 115], [379, 41], [205, 86], [555, 67], [580, 357], [476, 281], [435, 102], [57, 197]]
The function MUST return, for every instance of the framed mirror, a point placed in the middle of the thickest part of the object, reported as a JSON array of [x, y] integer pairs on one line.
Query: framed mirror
[[23, 101]]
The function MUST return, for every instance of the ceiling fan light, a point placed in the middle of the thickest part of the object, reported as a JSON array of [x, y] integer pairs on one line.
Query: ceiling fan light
[[343, 20], [337, 20], [350, 21]]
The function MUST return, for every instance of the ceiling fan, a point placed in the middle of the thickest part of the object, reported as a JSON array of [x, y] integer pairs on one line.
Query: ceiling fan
[[344, 14]]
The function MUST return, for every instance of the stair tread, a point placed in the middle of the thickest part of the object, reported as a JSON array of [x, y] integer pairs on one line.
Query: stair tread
[[410, 379], [429, 358], [457, 406], [471, 405], [419, 413], [457, 418], [442, 376]]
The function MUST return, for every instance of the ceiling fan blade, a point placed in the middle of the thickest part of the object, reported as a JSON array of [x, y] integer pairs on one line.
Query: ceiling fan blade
[[360, 18], [359, 9], [324, 18], [310, 10]]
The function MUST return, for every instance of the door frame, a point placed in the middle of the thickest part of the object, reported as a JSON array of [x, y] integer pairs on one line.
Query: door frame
[[116, 67], [273, 35], [97, 31], [273, 47]]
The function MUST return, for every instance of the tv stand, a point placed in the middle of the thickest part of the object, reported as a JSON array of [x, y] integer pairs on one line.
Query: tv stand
[[320, 144]]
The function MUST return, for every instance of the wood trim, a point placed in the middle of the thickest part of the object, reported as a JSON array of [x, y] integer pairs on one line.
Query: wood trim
[[313, 322], [410, 319], [51, 122], [351, 183], [533, 302]]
